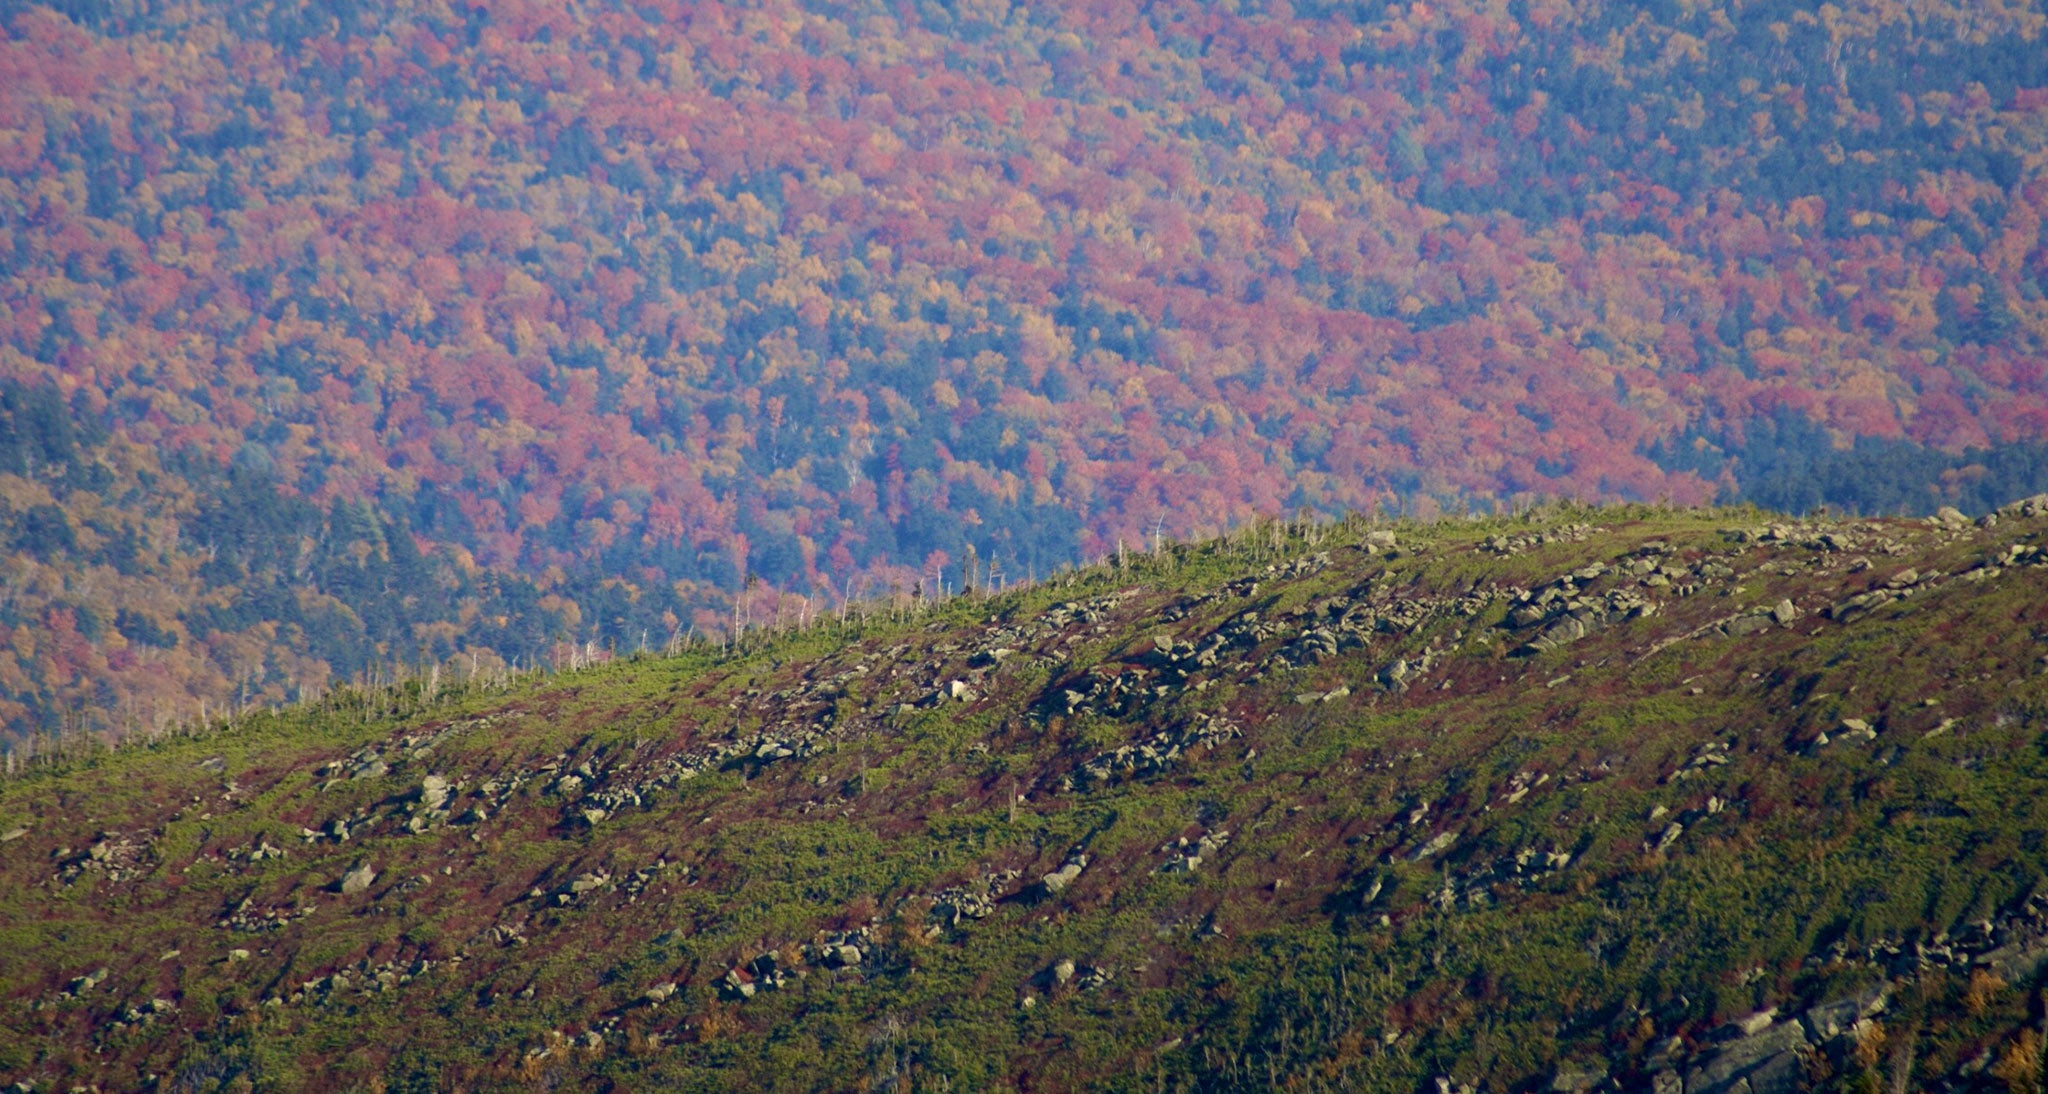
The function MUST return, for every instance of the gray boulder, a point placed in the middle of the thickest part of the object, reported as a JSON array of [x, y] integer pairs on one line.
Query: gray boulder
[[1059, 879], [358, 879], [1749, 1025], [1747, 625], [1437, 845], [2035, 506], [1579, 1077], [1751, 1060], [1067, 874], [1836, 1018]]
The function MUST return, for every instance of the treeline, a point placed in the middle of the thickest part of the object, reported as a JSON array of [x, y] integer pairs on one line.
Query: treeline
[[1790, 464]]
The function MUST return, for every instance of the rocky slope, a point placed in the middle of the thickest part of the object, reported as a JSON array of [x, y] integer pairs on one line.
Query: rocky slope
[[1625, 798]]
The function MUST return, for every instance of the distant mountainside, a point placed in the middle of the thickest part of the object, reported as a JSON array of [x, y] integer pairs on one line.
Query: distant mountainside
[[336, 335], [1591, 799]]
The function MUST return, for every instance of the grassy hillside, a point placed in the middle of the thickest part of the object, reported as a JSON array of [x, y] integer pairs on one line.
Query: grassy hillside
[[1585, 799]]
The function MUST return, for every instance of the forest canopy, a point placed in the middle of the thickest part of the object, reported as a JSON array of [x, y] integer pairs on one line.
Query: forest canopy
[[336, 335]]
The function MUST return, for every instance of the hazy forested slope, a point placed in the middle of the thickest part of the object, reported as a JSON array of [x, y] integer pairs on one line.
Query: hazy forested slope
[[340, 333]]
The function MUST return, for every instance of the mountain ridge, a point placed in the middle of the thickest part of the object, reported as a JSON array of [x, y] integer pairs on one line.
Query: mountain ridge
[[1570, 800]]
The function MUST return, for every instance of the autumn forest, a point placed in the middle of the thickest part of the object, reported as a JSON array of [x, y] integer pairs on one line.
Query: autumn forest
[[337, 336]]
